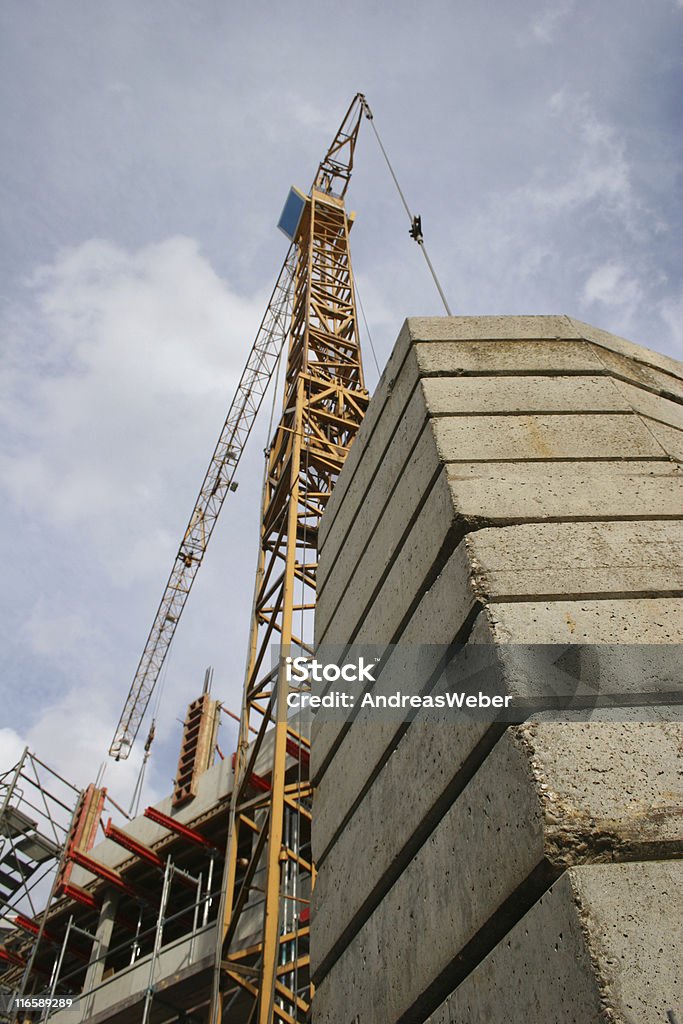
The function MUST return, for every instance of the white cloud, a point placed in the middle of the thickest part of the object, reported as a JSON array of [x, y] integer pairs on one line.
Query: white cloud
[[671, 312], [121, 366], [612, 289], [12, 747], [52, 633], [611, 285], [73, 733], [123, 359], [543, 28], [599, 171]]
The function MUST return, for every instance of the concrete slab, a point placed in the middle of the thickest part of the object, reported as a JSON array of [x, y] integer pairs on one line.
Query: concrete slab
[[395, 577], [612, 680], [390, 398], [502, 493], [460, 396], [670, 439], [504, 358], [593, 948], [493, 328], [622, 346], [431, 764], [645, 375], [526, 560], [547, 796], [654, 620], [563, 559], [438, 618], [583, 436], [397, 485], [654, 407]]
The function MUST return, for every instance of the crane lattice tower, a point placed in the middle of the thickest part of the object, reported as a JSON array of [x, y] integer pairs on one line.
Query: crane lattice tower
[[324, 403]]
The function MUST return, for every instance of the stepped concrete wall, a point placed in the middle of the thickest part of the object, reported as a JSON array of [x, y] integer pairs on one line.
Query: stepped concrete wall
[[517, 480]]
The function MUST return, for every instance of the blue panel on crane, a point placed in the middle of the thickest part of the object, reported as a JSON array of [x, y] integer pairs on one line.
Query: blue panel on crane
[[292, 212]]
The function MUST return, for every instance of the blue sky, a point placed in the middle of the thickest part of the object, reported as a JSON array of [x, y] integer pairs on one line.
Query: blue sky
[[146, 150]]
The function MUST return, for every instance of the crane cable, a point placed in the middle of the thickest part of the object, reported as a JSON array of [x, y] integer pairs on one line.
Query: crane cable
[[137, 793], [415, 221], [367, 328]]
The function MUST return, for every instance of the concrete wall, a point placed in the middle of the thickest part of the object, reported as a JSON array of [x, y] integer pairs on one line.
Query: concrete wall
[[516, 479]]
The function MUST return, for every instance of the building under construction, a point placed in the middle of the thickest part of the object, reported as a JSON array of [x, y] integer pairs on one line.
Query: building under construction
[[513, 484]]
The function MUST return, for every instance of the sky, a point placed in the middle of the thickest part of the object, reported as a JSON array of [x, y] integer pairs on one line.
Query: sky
[[146, 150]]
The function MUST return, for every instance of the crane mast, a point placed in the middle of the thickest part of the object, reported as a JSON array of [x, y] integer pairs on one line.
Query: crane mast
[[333, 172], [263, 975]]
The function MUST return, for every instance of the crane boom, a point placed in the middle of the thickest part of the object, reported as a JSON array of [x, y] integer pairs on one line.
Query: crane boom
[[333, 175], [219, 479]]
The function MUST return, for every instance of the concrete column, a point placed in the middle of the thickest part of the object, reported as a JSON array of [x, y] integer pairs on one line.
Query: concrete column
[[105, 928]]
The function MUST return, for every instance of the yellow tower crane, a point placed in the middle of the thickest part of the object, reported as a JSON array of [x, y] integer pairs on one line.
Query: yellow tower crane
[[312, 310], [324, 403]]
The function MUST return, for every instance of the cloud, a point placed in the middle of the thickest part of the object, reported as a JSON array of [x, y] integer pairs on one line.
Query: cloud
[[611, 285], [12, 747], [599, 171], [120, 366], [543, 28], [671, 312], [51, 633], [119, 357]]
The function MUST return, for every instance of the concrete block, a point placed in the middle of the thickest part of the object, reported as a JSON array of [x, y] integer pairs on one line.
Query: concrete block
[[653, 620], [600, 681], [399, 481], [460, 396], [624, 347], [645, 375], [390, 398], [436, 756], [654, 407], [602, 944], [546, 797], [584, 436], [526, 560], [670, 439], [396, 578], [542, 559], [438, 618], [501, 493], [428, 767], [500, 358], [492, 328], [383, 518]]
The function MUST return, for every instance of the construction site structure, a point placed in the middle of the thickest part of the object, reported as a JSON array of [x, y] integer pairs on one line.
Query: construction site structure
[[128, 934], [324, 404], [252, 905], [338, 320]]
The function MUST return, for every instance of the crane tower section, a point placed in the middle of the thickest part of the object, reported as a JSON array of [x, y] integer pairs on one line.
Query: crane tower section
[[264, 973]]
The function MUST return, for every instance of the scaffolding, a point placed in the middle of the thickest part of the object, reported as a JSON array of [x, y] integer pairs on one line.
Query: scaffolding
[[128, 933], [37, 810]]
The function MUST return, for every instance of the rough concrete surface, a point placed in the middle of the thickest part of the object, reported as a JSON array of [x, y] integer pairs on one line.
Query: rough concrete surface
[[554, 518], [437, 619], [653, 620], [600, 947], [570, 559], [547, 797], [462, 396], [500, 493], [542, 436]]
